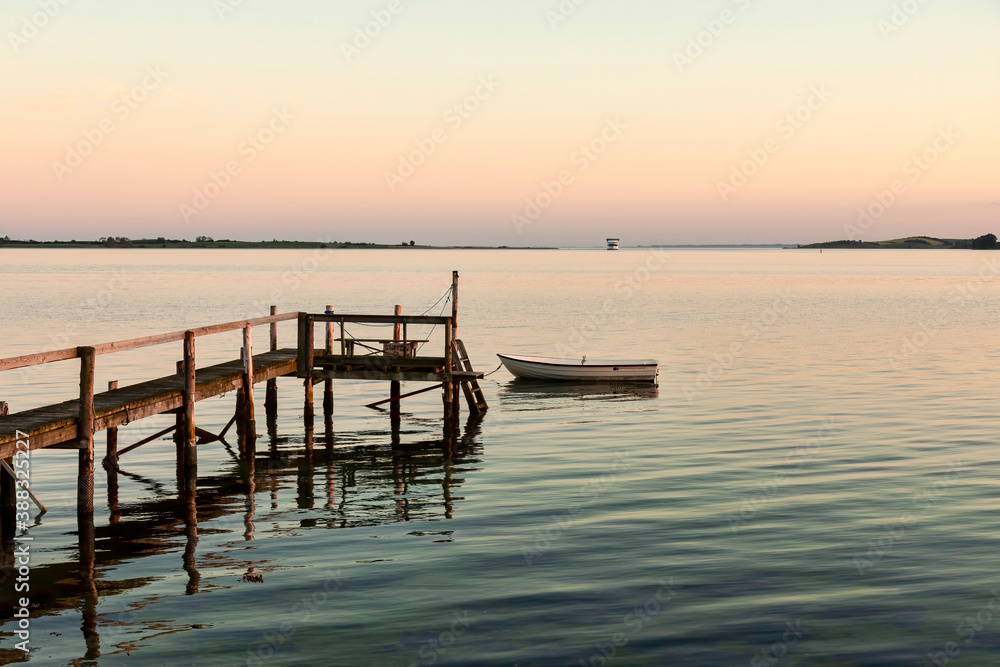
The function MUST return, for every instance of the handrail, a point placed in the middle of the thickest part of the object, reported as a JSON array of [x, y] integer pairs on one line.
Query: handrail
[[383, 319], [40, 358]]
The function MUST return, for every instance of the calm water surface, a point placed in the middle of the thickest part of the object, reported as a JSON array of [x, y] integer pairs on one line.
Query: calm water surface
[[813, 482]]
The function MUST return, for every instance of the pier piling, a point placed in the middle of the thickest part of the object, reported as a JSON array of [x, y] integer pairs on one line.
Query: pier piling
[[85, 437], [111, 465], [248, 402], [111, 455], [8, 507], [394, 385], [271, 395], [188, 437], [328, 382]]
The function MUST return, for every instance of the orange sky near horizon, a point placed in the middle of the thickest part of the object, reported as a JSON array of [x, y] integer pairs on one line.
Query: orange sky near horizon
[[456, 119]]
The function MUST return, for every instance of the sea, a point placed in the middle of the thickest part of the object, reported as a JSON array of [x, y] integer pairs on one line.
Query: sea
[[814, 479]]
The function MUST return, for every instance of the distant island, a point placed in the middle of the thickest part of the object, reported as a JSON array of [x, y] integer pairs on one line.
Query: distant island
[[985, 242], [209, 242]]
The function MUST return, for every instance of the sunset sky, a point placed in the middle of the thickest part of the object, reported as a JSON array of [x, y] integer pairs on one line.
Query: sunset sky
[[521, 122]]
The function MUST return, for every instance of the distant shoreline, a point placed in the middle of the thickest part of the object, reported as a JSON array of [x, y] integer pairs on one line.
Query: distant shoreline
[[907, 243], [244, 245]]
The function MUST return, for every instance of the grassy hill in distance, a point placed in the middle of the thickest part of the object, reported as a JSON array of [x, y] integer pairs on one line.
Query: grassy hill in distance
[[922, 242]]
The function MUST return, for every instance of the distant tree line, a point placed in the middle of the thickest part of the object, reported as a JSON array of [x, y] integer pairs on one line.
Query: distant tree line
[[985, 242]]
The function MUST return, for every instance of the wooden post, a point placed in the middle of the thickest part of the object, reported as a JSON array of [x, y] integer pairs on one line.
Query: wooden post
[[449, 368], [188, 437], [300, 349], [271, 396], [8, 492], [328, 384], [310, 344], [111, 465], [179, 426], [241, 422], [274, 330], [454, 303], [455, 401], [394, 385], [328, 409], [85, 492], [85, 436], [248, 406], [308, 356], [8, 511], [111, 457]]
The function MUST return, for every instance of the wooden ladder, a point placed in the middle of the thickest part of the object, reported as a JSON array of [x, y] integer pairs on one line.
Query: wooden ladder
[[473, 392]]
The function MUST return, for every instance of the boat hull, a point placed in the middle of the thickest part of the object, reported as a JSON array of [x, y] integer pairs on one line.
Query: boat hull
[[544, 368]]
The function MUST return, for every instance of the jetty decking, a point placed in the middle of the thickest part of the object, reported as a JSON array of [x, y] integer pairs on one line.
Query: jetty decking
[[54, 425]]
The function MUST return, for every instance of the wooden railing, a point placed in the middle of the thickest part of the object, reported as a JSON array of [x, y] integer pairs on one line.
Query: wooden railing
[[307, 333], [40, 358]]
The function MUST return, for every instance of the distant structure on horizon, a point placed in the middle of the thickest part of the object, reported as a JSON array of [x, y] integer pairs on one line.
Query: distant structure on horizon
[[613, 244]]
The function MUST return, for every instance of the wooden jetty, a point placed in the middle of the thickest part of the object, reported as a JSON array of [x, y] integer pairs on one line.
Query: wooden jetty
[[73, 424]]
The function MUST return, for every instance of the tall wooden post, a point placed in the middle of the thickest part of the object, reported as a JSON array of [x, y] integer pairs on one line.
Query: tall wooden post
[[8, 490], [111, 465], [328, 384], [449, 385], [241, 422], [188, 437], [454, 303], [308, 354], [85, 498], [111, 456], [8, 504], [271, 397], [394, 385], [248, 406], [85, 436], [456, 402]]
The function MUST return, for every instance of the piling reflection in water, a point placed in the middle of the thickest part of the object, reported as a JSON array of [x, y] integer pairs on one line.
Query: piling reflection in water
[[362, 485]]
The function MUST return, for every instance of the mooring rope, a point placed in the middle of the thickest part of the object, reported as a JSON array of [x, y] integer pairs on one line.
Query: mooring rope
[[380, 326], [446, 302], [494, 370], [447, 294]]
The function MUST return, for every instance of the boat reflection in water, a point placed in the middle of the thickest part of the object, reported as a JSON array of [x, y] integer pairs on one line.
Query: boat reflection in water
[[524, 391], [290, 485]]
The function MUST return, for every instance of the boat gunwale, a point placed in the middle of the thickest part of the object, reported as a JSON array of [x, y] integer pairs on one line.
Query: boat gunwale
[[639, 363]]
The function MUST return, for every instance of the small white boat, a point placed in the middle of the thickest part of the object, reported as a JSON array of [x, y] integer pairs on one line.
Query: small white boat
[[548, 368]]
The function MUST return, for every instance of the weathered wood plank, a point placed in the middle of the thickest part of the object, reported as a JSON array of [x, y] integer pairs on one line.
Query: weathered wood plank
[[384, 319], [54, 424], [23, 361], [377, 362], [401, 376], [26, 360]]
